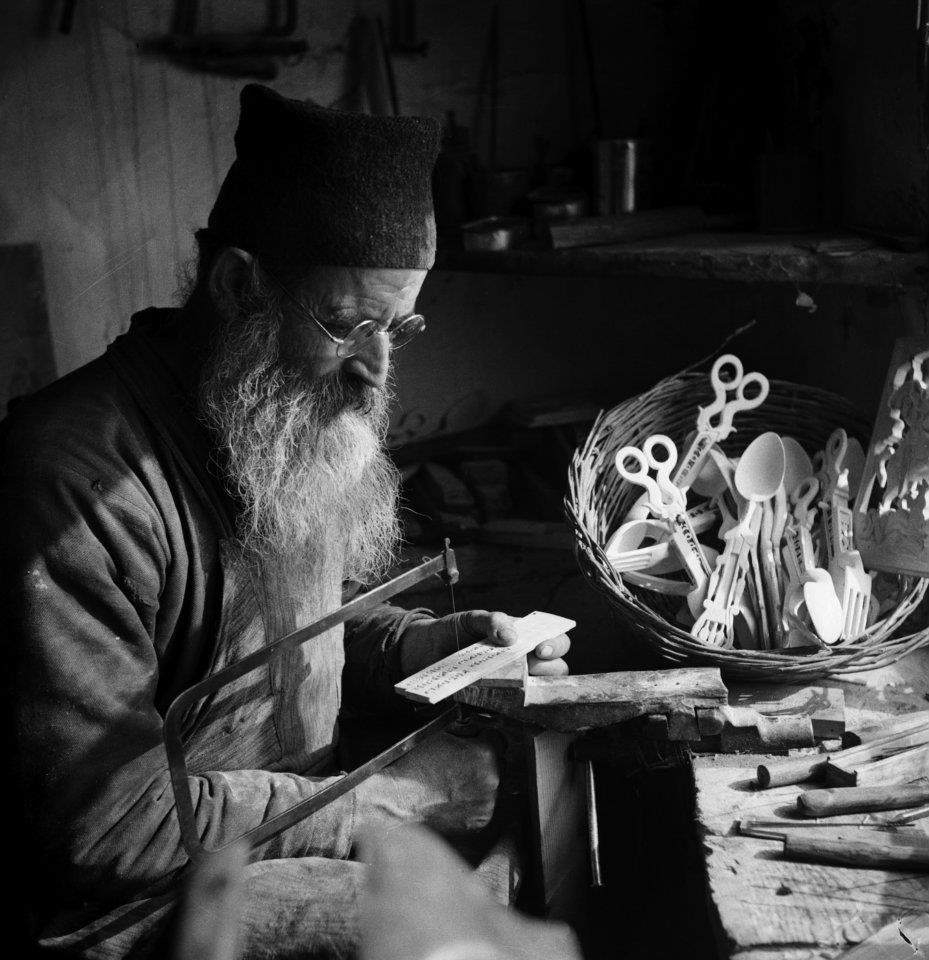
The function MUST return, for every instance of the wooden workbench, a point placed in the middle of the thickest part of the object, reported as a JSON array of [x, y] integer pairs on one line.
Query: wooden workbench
[[766, 907]]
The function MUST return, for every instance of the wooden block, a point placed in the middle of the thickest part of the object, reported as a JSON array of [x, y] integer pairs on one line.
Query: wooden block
[[465, 666], [682, 725], [655, 690], [587, 701], [824, 705], [591, 231], [559, 824]]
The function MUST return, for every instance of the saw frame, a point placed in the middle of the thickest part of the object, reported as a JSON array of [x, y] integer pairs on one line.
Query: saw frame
[[444, 565]]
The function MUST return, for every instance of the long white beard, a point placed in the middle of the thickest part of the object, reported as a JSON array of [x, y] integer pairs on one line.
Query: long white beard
[[305, 458]]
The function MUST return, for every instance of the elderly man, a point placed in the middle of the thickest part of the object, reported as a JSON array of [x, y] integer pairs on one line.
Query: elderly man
[[207, 486]]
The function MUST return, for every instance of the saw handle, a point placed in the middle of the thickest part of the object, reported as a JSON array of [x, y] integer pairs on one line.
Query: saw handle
[[857, 853]]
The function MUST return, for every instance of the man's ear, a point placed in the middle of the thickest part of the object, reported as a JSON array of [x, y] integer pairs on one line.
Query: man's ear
[[229, 274]]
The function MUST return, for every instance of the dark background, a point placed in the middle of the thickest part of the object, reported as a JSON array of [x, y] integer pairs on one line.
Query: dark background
[[792, 115], [802, 119]]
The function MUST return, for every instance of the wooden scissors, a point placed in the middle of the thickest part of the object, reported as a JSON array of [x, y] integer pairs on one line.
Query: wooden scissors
[[714, 423], [664, 499], [662, 496]]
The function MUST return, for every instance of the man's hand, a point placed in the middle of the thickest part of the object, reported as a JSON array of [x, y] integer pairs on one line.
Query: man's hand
[[426, 641], [447, 782]]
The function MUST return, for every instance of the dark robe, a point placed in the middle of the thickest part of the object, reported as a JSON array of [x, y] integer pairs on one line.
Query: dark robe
[[122, 585]]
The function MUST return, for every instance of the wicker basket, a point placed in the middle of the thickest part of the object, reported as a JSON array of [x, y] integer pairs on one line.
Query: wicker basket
[[598, 498]]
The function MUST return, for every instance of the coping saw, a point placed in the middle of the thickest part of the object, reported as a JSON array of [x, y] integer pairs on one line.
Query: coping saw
[[444, 565]]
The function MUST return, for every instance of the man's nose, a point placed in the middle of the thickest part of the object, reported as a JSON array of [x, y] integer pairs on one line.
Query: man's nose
[[372, 362]]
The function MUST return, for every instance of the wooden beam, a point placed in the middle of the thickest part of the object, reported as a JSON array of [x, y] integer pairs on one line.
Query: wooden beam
[[587, 701]]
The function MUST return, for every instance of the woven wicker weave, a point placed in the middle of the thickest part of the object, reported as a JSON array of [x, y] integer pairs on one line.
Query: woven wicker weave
[[598, 499]]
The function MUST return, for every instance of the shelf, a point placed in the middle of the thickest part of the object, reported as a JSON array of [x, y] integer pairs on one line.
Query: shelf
[[746, 257]]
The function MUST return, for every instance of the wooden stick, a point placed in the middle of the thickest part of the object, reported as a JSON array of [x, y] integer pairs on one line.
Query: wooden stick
[[750, 825], [591, 231], [901, 724], [902, 767], [856, 853], [910, 816], [896, 835], [830, 803], [895, 742], [798, 769]]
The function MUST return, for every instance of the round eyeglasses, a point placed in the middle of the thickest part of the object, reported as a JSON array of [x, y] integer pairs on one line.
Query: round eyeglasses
[[398, 332]]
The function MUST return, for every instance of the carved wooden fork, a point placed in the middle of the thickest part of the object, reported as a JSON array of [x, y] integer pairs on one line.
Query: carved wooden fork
[[852, 583]]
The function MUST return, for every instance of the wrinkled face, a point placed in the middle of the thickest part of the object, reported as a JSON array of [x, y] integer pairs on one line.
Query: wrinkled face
[[301, 428], [340, 298]]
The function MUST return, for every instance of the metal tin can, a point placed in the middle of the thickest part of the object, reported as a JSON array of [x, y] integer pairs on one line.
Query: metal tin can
[[631, 174], [623, 175]]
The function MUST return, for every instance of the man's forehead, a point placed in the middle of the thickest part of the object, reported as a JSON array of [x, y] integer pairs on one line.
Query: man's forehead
[[373, 289]]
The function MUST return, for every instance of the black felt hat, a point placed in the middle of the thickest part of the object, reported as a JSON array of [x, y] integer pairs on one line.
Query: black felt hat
[[312, 186]]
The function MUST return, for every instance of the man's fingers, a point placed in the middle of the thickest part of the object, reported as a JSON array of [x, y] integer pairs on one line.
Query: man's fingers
[[554, 648], [547, 668], [484, 625]]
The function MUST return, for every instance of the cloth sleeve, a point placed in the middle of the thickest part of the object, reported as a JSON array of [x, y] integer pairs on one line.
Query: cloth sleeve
[[83, 671], [372, 661]]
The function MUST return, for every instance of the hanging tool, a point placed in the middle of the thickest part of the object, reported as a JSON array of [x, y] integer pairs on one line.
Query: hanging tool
[[246, 54]]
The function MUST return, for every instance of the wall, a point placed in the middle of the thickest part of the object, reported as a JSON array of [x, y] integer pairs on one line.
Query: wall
[[881, 84], [492, 338], [113, 156]]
